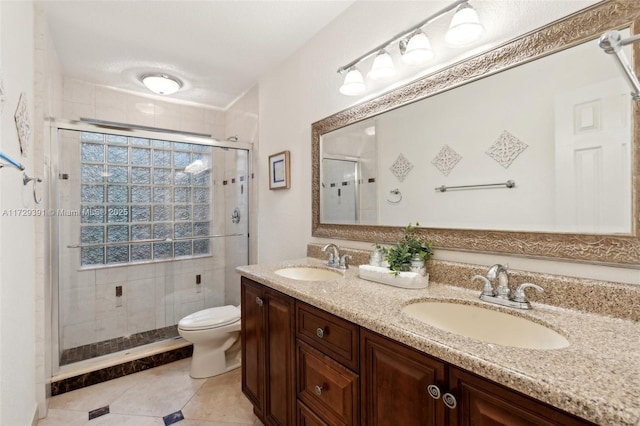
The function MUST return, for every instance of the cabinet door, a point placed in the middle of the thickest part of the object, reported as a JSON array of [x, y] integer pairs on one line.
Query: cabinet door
[[394, 381], [280, 358], [253, 343], [484, 403]]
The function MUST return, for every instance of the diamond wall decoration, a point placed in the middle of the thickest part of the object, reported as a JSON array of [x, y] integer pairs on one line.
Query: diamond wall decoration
[[401, 167], [23, 123], [446, 160], [506, 148]]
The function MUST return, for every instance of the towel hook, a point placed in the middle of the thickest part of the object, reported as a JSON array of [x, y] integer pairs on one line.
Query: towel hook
[[26, 179]]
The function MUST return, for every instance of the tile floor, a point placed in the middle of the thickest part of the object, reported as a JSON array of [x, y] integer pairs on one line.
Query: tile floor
[[160, 396]]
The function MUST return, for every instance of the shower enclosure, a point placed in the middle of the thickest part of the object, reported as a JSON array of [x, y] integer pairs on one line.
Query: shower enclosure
[[147, 227]]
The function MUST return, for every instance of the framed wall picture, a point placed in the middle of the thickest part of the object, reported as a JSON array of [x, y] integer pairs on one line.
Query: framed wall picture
[[279, 171]]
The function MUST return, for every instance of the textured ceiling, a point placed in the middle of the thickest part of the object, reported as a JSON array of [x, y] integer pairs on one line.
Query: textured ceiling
[[218, 48]]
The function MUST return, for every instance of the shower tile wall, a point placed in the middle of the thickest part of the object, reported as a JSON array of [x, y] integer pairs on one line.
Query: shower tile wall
[[154, 295]]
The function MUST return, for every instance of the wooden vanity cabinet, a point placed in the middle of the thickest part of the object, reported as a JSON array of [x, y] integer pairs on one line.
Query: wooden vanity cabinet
[[481, 402], [328, 384], [306, 367], [396, 378], [268, 355], [394, 384]]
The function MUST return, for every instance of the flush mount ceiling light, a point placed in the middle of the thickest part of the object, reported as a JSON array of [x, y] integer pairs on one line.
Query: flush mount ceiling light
[[162, 84], [465, 27], [414, 46]]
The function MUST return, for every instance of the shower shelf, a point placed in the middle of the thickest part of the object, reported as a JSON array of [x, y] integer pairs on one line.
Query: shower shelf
[[158, 240]]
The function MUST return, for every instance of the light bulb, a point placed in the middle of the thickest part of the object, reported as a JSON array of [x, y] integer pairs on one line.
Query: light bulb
[[382, 66], [418, 49], [465, 27], [353, 83]]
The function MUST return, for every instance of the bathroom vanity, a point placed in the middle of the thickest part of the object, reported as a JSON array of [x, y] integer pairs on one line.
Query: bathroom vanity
[[342, 352]]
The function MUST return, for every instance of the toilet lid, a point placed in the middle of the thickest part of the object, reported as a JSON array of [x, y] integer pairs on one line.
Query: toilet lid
[[210, 318]]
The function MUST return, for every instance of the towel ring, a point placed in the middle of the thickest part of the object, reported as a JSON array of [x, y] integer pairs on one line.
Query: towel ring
[[395, 192], [26, 179]]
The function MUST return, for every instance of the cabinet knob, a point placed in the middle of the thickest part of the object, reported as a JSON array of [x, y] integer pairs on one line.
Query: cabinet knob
[[449, 400], [434, 391], [320, 332], [318, 389], [259, 301]]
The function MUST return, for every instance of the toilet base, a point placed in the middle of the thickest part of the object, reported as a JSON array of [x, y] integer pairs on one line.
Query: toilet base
[[206, 362]]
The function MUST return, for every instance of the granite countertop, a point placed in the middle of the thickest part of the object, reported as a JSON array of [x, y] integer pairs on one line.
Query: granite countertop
[[597, 377]]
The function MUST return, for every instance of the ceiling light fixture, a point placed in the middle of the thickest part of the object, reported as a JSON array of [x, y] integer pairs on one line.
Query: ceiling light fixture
[[414, 46], [162, 84]]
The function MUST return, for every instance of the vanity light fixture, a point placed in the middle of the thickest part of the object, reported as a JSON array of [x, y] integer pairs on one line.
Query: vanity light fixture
[[353, 83], [465, 27], [162, 84], [417, 50], [382, 67], [414, 46]]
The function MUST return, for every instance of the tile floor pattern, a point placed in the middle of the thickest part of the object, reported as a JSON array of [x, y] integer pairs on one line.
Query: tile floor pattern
[[160, 396]]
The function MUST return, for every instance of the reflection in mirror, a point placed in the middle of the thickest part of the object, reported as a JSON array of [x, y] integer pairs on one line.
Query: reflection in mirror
[[569, 150], [349, 168], [559, 126]]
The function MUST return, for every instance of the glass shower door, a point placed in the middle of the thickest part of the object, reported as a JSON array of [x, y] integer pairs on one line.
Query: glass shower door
[[149, 230]]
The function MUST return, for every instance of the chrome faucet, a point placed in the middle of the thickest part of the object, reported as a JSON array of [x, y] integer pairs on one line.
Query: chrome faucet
[[500, 272], [335, 260], [501, 294]]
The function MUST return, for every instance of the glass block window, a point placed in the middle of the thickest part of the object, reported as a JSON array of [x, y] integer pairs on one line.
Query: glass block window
[[138, 202]]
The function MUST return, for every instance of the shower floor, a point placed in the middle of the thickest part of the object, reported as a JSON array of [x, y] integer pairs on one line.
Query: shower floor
[[81, 353]]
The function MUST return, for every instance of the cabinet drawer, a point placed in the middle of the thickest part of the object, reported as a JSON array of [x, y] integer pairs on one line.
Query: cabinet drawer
[[307, 417], [333, 336], [328, 388]]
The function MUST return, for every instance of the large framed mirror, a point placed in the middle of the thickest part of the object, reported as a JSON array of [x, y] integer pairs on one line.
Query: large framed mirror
[[544, 161]]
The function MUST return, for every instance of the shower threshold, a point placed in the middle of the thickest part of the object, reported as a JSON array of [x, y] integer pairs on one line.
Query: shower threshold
[[106, 347]]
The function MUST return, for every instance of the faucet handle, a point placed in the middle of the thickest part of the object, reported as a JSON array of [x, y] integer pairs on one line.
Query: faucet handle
[[487, 289], [519, 296], [344, 261]]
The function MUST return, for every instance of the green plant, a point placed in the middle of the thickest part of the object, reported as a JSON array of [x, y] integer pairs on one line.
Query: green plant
[[380, 249], [411, 245]]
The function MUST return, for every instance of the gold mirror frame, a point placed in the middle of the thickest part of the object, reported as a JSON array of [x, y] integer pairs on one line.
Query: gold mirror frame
[[575, 29]]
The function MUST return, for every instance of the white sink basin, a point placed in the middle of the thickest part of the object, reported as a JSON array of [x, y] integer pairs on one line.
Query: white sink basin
[[302, 273], [486, 325]]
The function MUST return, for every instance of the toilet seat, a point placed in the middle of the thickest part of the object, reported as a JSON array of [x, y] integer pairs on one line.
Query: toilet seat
[[210, 318]]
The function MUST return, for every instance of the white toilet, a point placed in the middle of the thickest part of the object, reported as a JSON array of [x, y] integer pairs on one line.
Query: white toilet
[[215, 334]]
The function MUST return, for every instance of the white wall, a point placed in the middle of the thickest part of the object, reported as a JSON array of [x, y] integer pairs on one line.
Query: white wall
[[17, 287], [304, 89]]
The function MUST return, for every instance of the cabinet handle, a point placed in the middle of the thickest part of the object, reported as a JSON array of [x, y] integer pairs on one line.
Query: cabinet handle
[[318, 390], [434, 391], [320, 332], [449, 400], [259, 301]]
